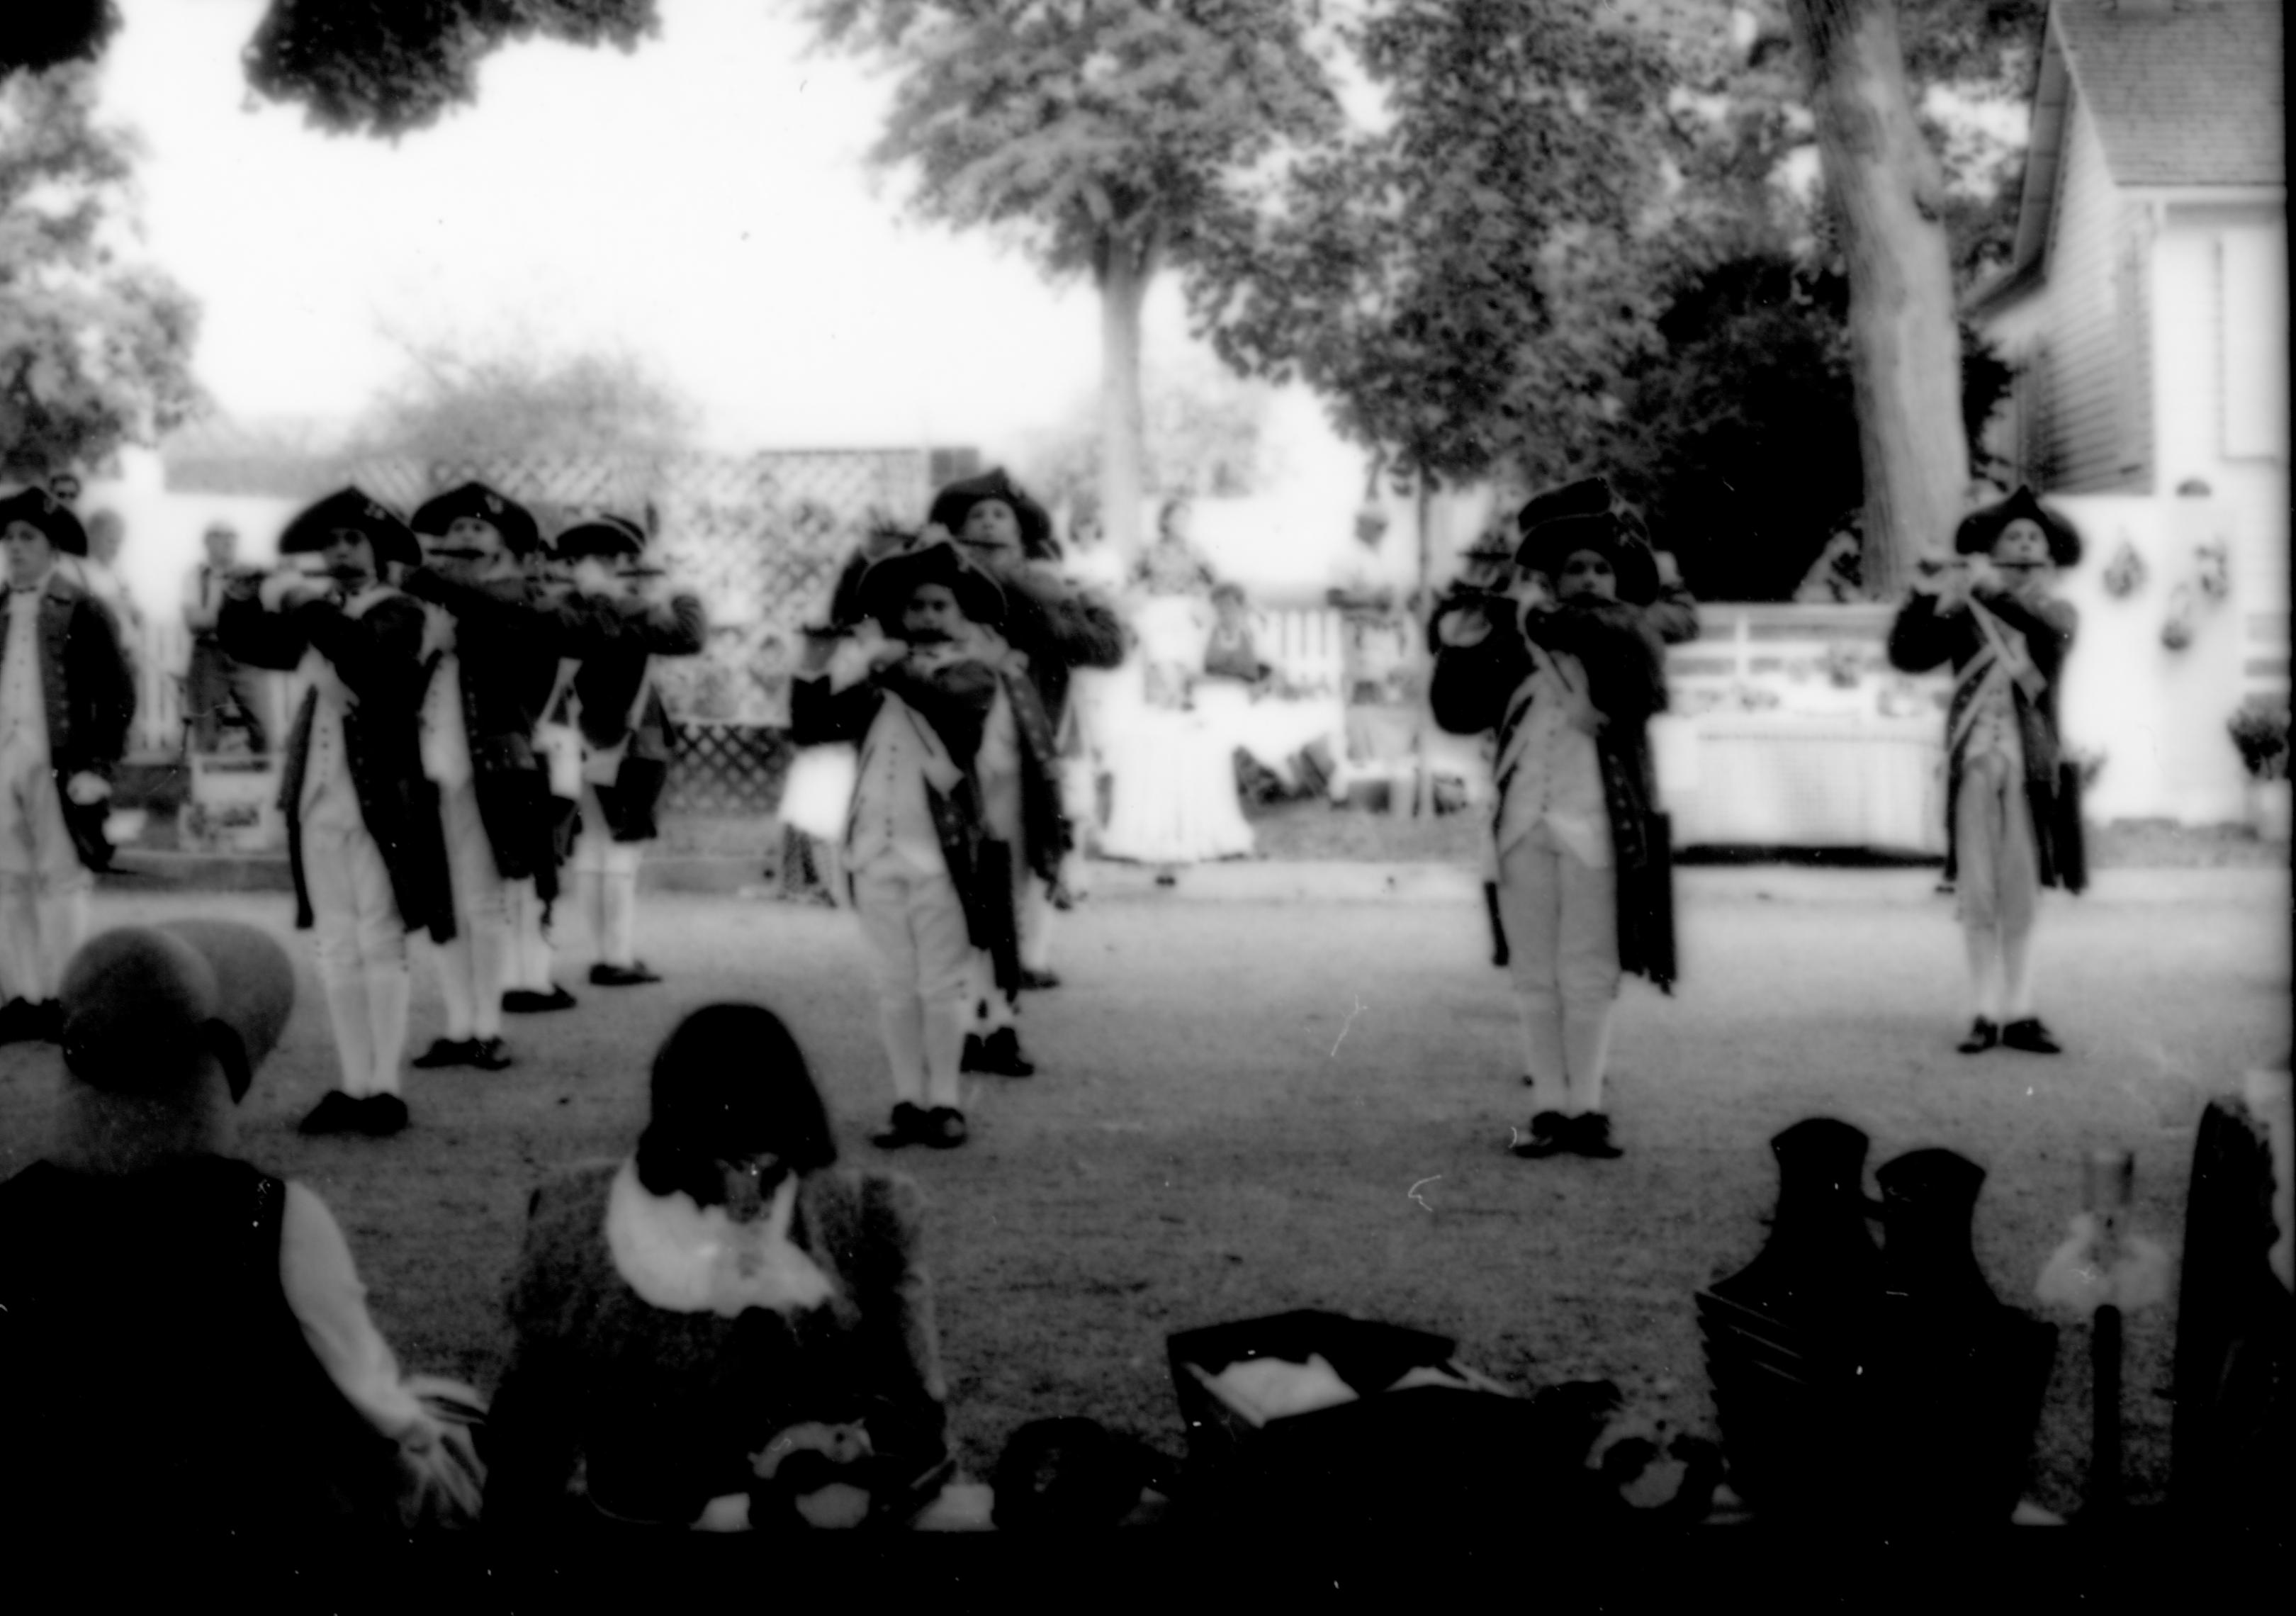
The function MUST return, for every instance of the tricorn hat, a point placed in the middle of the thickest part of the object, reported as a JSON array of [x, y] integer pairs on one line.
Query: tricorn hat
[[609, 537], [355, 509], [145, 1006], [955, 503], [499, 511], [886, 586], [1587, 515], [1981, 527], [52, 517]]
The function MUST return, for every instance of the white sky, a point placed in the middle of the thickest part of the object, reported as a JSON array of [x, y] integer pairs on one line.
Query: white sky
[[702, 202]]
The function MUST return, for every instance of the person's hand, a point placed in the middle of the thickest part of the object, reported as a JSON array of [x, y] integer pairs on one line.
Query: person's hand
[[286, 591], [1669, 574], [885, 652], [933, 533], [85, 789], [1464, 625]]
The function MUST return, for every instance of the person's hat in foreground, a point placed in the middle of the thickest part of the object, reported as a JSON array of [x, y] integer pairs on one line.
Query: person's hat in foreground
[[1981, 527], [519, 533], [44, 511], [1587, 515], [887, 585], [354, 508], [145, 1006], [955, 503]]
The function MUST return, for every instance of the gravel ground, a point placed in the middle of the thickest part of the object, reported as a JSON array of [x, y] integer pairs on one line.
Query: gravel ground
[[1274, 1101]]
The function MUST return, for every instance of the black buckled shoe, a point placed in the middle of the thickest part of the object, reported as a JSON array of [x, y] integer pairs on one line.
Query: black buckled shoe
[[20, 1023], [1039, 980], [1589, 1136], [1000, 1055], [335, 1113], [444, 1053], [48, 1027], [632, 975], [526, 1000], [381, 1116], [1546, 1137], [2028, 1035], [908, 1126], [490, 1054], [1983, 1035], [945, 1127]]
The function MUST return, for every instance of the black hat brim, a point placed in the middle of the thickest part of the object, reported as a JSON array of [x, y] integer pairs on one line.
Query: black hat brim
[[313, 527], [890, 580], [52, 517], [1981, 527], [955, 503], [602, 540], [521, 534], [1547, 547]]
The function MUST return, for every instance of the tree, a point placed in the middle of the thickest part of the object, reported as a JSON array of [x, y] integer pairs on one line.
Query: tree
[[1108, 136], [462, 404], [94, 349], [385, 66], [1463, 283]]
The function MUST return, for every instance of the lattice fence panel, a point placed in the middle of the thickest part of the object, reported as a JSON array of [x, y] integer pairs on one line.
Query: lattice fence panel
[[726, 768]]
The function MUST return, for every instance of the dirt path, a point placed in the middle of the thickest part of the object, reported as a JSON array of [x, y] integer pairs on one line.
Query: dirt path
[[1251, 1102]]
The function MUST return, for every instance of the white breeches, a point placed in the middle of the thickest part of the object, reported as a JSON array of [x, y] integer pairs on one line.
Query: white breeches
[[1562, 924]]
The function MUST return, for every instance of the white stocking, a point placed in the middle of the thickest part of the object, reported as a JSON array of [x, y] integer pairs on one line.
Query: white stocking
[[389, 988], [490, 946], [1984, 948], [454, 973], [945, 1026], [62, 919], [620, 904], [902, 1021], [347, 1012], [20, 936], [2017, 968], [590, 898]]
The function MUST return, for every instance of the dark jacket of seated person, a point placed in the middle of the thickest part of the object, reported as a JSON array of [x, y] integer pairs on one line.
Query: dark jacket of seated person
[[185, 1338], [725, 1313]]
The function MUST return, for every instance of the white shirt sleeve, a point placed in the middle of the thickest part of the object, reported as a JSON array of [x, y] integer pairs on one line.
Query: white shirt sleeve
[[324, 1290]]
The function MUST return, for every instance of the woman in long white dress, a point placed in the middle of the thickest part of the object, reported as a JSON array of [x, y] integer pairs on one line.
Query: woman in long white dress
[[1173, 800]]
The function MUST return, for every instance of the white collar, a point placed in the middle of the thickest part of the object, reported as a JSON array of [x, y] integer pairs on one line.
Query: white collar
[[687, 1259]]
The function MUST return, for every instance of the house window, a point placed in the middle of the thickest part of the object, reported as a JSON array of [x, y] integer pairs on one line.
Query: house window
[[2252, 306]]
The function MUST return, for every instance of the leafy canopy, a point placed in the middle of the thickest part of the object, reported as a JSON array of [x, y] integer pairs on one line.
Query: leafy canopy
[[1459, 281], [385, 66], [95, 350], [1080, 125], [463, 402]]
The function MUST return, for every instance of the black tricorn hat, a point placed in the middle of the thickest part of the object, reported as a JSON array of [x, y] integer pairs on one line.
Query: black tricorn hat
[[1981, 527], [886, 586], [608, 536], [52, 517], [955, 503], [1587, 515], [498, 511], [355, 509], [145, 1005]]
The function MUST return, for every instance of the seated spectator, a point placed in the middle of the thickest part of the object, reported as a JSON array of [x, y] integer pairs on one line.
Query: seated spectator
[[726, 1328], [186, 1337]]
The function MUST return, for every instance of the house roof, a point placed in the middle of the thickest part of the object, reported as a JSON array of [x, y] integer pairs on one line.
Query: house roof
[[2183, 93]]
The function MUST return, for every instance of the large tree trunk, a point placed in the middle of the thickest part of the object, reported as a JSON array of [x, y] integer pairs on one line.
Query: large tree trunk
[[1905, 352], [1126, 263]]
